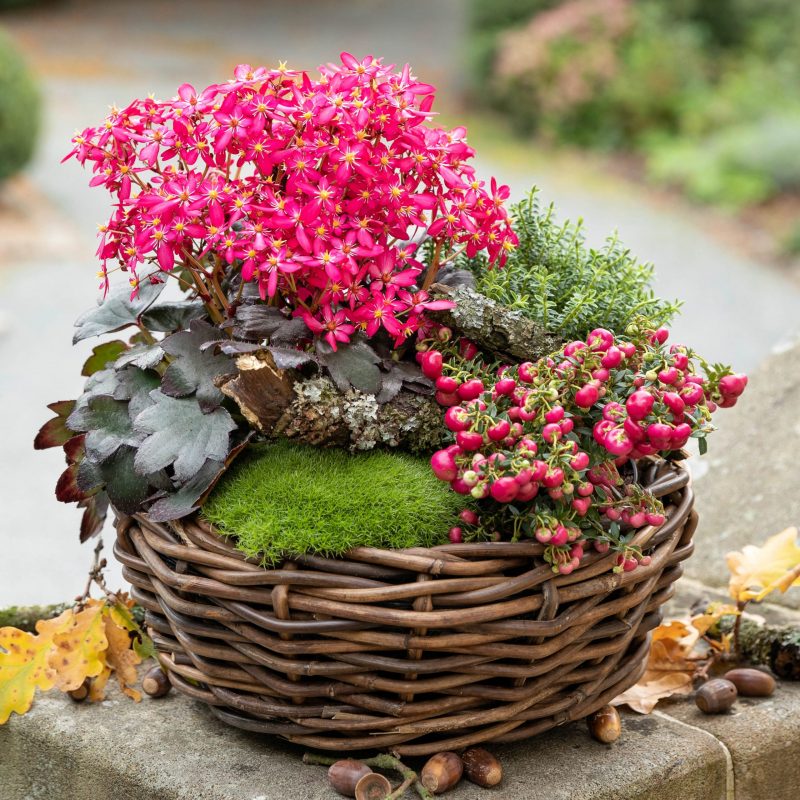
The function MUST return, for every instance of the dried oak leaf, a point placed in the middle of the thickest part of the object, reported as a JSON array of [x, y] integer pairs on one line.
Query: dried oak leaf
[[121, 657], [671, 667], [78, 652], [24, 663], [758, 571]]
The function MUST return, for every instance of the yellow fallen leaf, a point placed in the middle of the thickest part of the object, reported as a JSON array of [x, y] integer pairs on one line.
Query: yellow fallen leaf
[[78, 652], [121, 657], [757, 571], [712, 615], [23, 663]]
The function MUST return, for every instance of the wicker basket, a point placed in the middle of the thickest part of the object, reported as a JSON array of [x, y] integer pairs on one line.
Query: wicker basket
[[415, 651]]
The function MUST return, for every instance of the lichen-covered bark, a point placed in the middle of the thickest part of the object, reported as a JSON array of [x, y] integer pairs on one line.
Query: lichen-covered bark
[[777, 648], [321, 415], [492, 326]]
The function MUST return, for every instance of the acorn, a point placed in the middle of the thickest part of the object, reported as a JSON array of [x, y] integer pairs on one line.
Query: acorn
[[442, 772], [81, 693], [605, 725], [155, 682], [345, 774], [716, 696], [372, 786], [751, 682], [481, 767]]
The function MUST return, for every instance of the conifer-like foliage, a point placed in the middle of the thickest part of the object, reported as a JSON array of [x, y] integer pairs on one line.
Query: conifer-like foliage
[[283, 499], [555, 278]]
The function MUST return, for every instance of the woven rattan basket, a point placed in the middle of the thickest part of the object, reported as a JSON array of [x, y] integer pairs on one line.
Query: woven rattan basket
[[415, 651]]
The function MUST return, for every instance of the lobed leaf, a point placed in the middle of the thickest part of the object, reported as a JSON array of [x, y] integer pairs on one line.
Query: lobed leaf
[[78, 650], [353, 364], [107, 424], [758, 571], [117, 311], [180, 435], [172, 316], [193, 370]]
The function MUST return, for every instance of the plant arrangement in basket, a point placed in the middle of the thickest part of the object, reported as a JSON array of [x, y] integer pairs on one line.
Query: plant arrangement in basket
[[323, 300]]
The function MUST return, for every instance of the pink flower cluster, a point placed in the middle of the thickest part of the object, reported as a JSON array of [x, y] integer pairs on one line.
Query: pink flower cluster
[[319, 190]]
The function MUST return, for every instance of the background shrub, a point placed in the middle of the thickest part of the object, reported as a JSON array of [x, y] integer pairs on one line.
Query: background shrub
[[20, 109]]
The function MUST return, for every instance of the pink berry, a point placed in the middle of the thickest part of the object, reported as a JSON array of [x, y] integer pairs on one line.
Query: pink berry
[[526, 372], [612, 358], [444, 465], [639, 404], [674, 402], [527, 492], [645, 561], [572, 348], [455, 535], [567, 425], [668, 375], [460, 486], [601, 547], [469, 440], [552, 432], [566, 569], [613, 514], [560, 536], [680, 361], [628, 348], [555, 414], [469, 517], [733, 385], [456, 419], [601, 429], [691, 394], [553, 478], [660, 336], [654, 519], [585, 489], [499, 430], [617, 442], [660, 435], [432, 364], [446, 399], [539, 470], [444, 383], [543, 535], [629, 564], [504, 490], [579, 461], [587, 396], [637, 519], [467, 349], [600, 340], [470, 389], [505, 386], [581, 505]]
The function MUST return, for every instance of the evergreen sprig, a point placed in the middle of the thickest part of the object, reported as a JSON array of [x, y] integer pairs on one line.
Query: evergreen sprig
[[569, 288]]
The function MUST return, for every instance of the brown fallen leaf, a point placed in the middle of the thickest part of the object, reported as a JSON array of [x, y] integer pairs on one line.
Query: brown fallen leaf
[[653, 687], [121, 658]]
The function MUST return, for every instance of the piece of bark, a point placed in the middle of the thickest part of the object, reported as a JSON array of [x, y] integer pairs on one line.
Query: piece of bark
[[260, 389], [776, 648], [492, 326], [314, 411]]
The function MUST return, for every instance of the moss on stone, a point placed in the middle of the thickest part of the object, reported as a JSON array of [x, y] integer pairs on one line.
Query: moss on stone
[[284, 500]]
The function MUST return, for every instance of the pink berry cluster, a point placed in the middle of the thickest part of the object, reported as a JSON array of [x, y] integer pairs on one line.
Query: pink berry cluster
[[541, 445], [312, 187]]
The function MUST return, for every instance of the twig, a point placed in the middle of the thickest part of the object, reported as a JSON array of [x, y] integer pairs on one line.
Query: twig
[[381, 761]]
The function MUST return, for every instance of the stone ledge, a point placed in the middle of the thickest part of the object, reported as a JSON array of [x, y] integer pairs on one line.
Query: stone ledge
[[173, 749]]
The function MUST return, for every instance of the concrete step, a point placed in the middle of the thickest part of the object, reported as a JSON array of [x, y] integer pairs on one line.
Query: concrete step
[[173, 749]]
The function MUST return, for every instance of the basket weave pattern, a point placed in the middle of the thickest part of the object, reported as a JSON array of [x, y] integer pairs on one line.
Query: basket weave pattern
[[416, 651]]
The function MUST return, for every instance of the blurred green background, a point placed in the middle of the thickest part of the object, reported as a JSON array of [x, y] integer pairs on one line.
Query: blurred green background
[[700, 95]]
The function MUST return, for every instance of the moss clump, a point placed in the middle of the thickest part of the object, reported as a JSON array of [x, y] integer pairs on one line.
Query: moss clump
[[283, 500]]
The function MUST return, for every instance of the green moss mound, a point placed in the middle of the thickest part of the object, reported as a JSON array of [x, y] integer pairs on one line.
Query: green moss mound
[[19, 110], [284, 500]]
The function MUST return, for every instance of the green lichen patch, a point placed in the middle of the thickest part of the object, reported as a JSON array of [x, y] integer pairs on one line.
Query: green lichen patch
[[283, 500]]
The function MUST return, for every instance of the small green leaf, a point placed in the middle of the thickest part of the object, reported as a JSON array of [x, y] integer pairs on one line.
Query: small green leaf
[[144, 647], [126, 488], [55, 432], [117, 311], [181, 435], [702, 445], [193, 369], [102, 356]]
